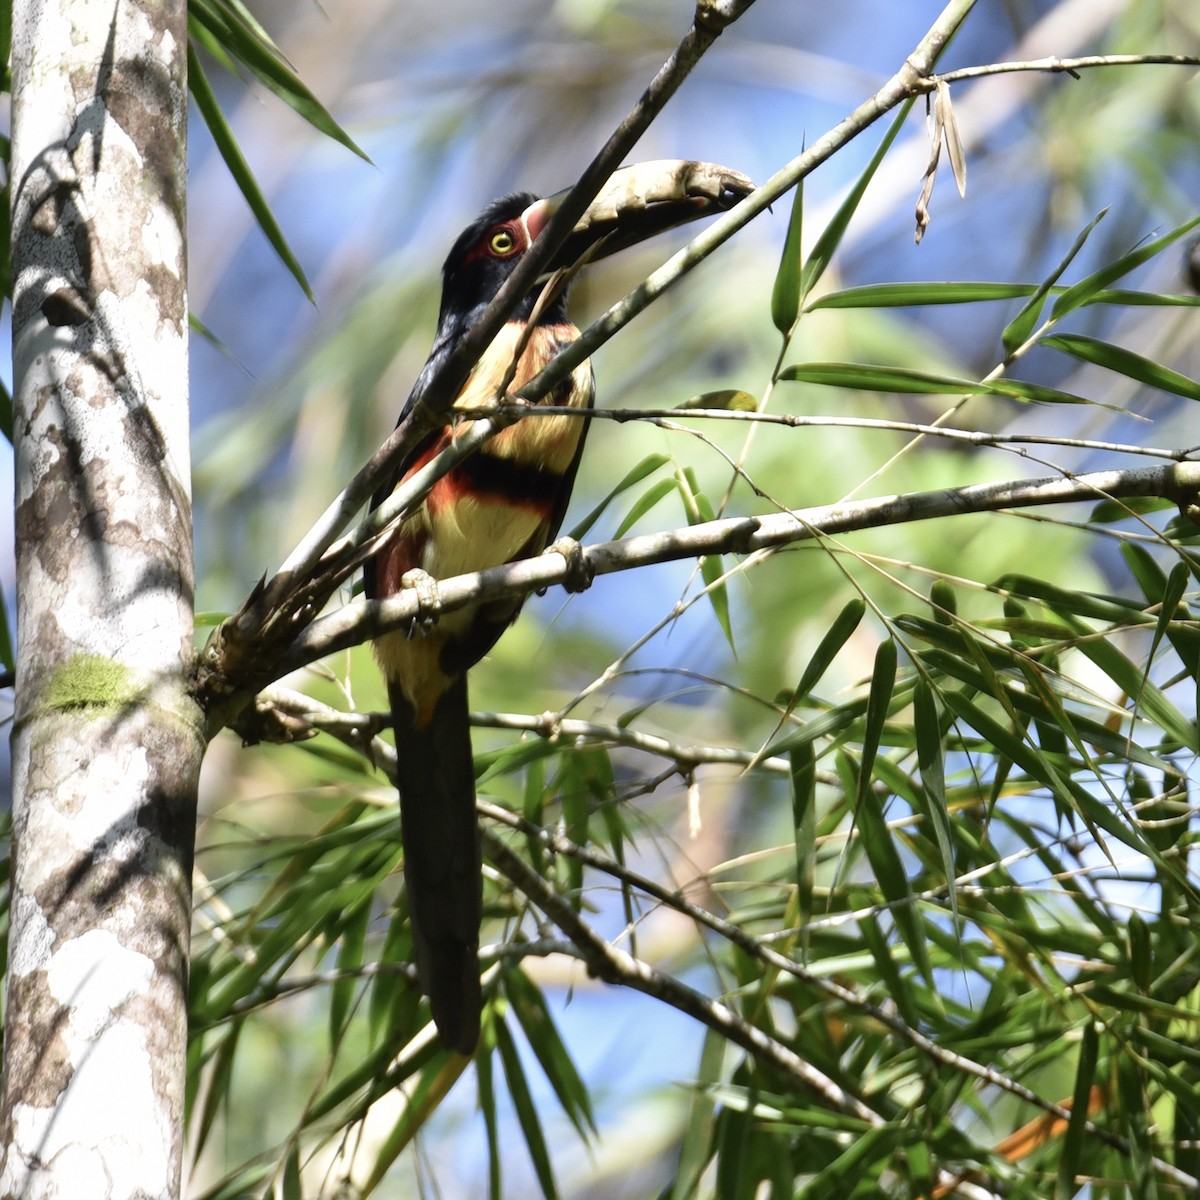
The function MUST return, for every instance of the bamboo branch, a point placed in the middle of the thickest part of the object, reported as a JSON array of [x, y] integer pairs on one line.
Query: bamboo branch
[[363, 619]]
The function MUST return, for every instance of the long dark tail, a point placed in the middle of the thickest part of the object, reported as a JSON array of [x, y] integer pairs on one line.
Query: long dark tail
[[442, 862]]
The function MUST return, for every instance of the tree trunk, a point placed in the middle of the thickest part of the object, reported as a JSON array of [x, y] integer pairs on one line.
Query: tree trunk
[[107, 741]]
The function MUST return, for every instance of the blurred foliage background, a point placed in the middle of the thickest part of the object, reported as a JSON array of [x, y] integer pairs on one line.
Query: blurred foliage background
[[956, 849]]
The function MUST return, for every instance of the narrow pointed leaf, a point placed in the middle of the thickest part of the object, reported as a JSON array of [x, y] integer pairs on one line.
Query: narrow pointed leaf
[[838, 634], [694, 1150], [529, 1007], [644, 503], [1017, 331], [831, 236], [698, 509], [527, 1117], [349, 960], [226, 143], [1085, 291], [918, 293], [648, 465], [785, 295], [927, 728], [874, 378], [239, 34], [290, 1187], [1124, 362], [883, 679], [804, 823]]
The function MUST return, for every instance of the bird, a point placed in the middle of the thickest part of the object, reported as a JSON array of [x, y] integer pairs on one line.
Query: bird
[[504, 502]]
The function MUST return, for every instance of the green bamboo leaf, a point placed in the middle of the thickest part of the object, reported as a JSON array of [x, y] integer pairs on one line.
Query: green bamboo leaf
[[1164, 593], [836, 723], [644, 503], [860, 1165], [536, 1023], [219, 1069], [896, 984], [927, 727], [712, 566], [349, 961], [1141, 952], [804, 824], [1131, 1109], [877, 841], [422, 1098], [1125, 298], [735, 1127], [1017, 331], [1086, 290], [831, 236], [785, 294], [237, 32], [1108, 511], [920, 1167], [723, 399], [920, 293], [876, 837], [533, 807], [1039, 768], [1149, 698], [290, 1188], [944, 601], [527, 1117], [486, 1091], [694, 1149], [648, 465], [237, 1184], [1124, 362], [1073, 1140], [387, 991], [226, 143], [838, 634], [573, 796], [883, 680], [1091, 605], [874, 378]]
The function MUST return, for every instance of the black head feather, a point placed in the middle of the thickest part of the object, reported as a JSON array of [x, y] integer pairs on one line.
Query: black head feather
[[474, 271]]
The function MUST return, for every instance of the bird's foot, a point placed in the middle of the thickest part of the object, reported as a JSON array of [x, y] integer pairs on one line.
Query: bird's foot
[[429, 601], [579, 574]]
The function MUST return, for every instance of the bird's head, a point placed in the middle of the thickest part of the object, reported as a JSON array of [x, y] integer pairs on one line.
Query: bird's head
[[486, 253], [636, 203]]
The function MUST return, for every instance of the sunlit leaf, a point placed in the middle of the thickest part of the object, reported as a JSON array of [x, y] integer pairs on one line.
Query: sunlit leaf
[[647, 466], [785, 295], [1086, 290], [831, 236], [239, 168], [527, 1116], [872, 378], [1018, 330], [1124, 362]]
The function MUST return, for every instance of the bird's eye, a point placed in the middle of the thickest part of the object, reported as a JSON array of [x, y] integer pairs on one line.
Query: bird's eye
[[502, 242]]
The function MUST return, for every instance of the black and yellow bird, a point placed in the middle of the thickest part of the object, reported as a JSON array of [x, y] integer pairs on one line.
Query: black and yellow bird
[[504, 502]]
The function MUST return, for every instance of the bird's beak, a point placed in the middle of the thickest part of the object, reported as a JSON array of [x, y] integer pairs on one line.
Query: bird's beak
[[537, 216], [640, 201]]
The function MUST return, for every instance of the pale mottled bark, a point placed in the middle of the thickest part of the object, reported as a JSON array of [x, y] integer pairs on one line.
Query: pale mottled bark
[[106, 740]]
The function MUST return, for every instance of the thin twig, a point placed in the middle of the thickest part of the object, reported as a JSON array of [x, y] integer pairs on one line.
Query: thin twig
[[613, 965]]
